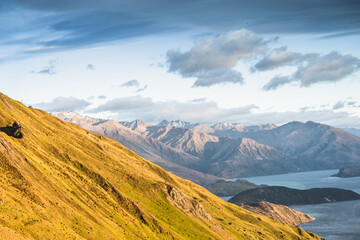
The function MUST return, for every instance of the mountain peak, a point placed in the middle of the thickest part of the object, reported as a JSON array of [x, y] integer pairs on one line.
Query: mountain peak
[[178, 124], [136, 125], [240, 127], [228, 126]]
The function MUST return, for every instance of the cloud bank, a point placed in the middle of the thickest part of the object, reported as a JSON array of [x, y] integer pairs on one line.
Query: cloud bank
[[137, 107], [63, 104], [202, 111], [80, 23]]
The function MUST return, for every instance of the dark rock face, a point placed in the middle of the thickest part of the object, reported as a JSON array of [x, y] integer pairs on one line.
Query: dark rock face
[[290, 196], [13, 131], [348, 172]]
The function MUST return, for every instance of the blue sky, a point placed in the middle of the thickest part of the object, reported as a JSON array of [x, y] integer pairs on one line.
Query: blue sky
[[202, 61]]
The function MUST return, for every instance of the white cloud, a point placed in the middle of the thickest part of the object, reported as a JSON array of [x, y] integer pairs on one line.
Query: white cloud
[[124, 104], [218, 77], [49, 69], [276, 82], [90, 67], [206, 112], [279, 57], [331, 67], [342, 104], [142, 89], [211, 60], [130, 108], [311, 68], [131, 83], [137, 107], [63, 104]]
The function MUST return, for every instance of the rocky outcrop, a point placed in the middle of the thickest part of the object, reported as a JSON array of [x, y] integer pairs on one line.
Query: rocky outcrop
[[348, 172], [279, 213], [14, 130], [182, 201], [291, 196]]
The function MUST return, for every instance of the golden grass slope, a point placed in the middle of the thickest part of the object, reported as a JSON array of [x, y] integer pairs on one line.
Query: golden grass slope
[[62, 182]]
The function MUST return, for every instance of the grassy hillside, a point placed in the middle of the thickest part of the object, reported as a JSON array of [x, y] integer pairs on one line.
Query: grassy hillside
[[59, 181]]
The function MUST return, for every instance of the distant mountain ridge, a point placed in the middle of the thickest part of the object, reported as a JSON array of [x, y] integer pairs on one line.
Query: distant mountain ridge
[[222, 157], [187, 125], [178, 124], [218, 127], [315, 146], [354, 131], [232, 150]]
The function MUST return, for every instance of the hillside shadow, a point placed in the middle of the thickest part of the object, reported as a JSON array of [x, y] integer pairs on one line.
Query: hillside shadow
[[13, 131]]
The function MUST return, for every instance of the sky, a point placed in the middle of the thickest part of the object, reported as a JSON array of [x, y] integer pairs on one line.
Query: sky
[[206, 61]]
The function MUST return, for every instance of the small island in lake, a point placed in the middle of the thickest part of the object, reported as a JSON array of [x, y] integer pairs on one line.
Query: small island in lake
[[291, 196], [348, 172]]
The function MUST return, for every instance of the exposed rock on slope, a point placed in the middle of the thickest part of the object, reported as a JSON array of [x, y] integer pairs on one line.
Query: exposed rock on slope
[[348, 172], [279, 213], [173, 160], [290, 196], [180, 200], [63, 182]]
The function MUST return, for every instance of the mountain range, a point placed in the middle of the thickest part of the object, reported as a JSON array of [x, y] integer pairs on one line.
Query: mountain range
[[231, 150], [222, 157], [315, 146], [59, 181], [296, 146]]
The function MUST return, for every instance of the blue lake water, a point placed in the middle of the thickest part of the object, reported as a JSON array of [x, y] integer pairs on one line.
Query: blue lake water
[[334, 221]]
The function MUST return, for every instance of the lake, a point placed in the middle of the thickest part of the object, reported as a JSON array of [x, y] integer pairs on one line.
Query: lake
[[334, 221]]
